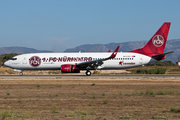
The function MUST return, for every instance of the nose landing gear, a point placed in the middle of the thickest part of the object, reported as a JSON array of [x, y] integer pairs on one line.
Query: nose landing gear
[[21, 74]]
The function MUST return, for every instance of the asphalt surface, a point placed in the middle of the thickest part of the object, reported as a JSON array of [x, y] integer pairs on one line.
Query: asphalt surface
[[92, 76]]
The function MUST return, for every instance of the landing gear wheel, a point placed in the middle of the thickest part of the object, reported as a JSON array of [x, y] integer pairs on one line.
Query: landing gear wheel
[[88, 73], [21, 74]]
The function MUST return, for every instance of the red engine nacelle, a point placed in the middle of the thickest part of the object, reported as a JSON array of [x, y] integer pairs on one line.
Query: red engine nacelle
[[67, 68]]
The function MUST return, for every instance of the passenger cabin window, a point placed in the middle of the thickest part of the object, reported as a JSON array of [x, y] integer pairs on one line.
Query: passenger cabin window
[[13, 58]]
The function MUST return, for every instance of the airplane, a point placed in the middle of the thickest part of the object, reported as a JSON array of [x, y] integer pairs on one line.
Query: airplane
[[75, 62]]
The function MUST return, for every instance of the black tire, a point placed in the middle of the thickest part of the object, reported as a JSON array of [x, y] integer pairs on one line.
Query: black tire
[[88, 73], [21, 74]]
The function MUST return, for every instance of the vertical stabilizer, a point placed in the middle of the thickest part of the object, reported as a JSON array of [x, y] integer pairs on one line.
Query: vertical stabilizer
[[156, 44]]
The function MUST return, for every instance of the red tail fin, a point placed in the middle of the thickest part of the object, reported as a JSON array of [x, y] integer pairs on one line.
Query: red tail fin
[[157, 43]]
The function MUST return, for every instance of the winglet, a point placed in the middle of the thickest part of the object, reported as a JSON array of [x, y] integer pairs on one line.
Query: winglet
[[113, 55], [109, 51], [88, 63]]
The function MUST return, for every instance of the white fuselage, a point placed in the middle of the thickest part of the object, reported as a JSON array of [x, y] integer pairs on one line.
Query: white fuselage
[[53, 61]]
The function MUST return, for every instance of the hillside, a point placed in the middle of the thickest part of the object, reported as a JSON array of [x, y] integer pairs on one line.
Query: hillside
[[171, 45], [18, 50]]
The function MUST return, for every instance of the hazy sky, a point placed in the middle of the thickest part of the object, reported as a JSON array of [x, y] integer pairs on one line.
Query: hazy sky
[[60, 24]]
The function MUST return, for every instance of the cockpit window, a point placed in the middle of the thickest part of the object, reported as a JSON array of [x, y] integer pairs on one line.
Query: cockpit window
[[13, 58]]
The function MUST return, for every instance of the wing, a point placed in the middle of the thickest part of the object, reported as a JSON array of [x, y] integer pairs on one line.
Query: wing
[[99, 62]]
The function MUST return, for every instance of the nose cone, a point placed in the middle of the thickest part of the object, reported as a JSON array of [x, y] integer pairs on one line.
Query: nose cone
[[6, 63]]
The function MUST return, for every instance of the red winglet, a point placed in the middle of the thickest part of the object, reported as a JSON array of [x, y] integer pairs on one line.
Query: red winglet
[[109, 51], [113, 55]]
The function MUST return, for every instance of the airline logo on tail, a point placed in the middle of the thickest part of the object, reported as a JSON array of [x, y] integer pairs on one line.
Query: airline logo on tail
[[158, 40]]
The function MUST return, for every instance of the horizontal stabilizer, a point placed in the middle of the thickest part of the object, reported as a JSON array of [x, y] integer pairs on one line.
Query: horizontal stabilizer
[[161, 56]]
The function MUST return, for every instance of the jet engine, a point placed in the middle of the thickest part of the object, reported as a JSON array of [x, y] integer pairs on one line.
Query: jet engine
[[67, 68]]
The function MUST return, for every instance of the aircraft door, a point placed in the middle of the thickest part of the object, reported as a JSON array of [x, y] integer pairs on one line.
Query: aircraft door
[[24, 60], [140, 59]]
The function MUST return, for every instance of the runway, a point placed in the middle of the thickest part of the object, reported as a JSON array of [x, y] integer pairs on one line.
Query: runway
[[89, 77]]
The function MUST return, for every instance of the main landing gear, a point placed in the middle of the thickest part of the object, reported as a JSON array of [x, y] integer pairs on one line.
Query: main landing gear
[[88, 73]]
